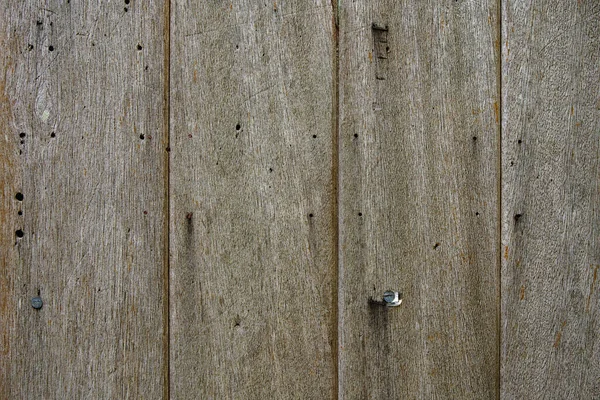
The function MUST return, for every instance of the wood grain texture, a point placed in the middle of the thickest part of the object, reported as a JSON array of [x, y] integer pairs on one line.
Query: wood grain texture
[[419, 130], [551, 200], [253, 270], [76, 96]]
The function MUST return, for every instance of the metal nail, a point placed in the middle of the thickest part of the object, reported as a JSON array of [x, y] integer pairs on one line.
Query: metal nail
[[37, 303], [392, 299]]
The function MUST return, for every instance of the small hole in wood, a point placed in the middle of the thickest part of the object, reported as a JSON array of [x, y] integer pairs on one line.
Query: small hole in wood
[[19, 196], [22, 134], [238, 127], [20, 212], [311, 215], [19, 233], [125, 9], [474, 138], [53, 134], [360, 214], [50, 48], [436, 245], [139, 47], [518, 216], [314, 136], [355, 135], [519, 141], [142, 136], [126, 1]]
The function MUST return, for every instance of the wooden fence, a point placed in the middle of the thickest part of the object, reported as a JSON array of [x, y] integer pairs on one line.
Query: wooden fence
[[207, 195]]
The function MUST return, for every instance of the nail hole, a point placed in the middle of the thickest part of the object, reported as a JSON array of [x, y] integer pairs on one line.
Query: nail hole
[[139, 47], [270, 169], [477, 213], [51, 48], [19, 196], [145, 212], [311, 215], [125, 9], [29, 47], [314, 136], [360, 214], [19, 233], [518, 216], [519, 141], [436, 245], [22, 134], [238, 127], [355, 135], [20, 212], [142, 136], [126, 1], [474, 138], [52, 134]]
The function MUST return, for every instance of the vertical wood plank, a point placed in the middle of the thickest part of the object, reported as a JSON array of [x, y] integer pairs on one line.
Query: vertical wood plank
[[551, 199], [419, 134], [81, 138], [253, 270]]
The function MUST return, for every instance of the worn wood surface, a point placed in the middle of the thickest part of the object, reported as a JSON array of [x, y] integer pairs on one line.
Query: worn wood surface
[[551, 200], [253, 269], [76, 95], [419, 130]]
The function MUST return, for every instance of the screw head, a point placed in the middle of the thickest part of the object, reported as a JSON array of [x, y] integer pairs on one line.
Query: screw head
[[392, 299], [37, 303]]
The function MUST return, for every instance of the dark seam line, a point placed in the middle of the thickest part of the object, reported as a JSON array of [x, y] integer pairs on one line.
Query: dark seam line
[[499, 209], [167, 202]]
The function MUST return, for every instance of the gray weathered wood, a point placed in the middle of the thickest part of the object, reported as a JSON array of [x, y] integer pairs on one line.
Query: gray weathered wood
[[419, 130], [75, 96], [253, 267], [551, 200]]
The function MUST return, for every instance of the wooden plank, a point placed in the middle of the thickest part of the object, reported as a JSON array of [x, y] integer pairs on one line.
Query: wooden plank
[[551, 200], [419, 134], [253, 268], [76, 96]]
